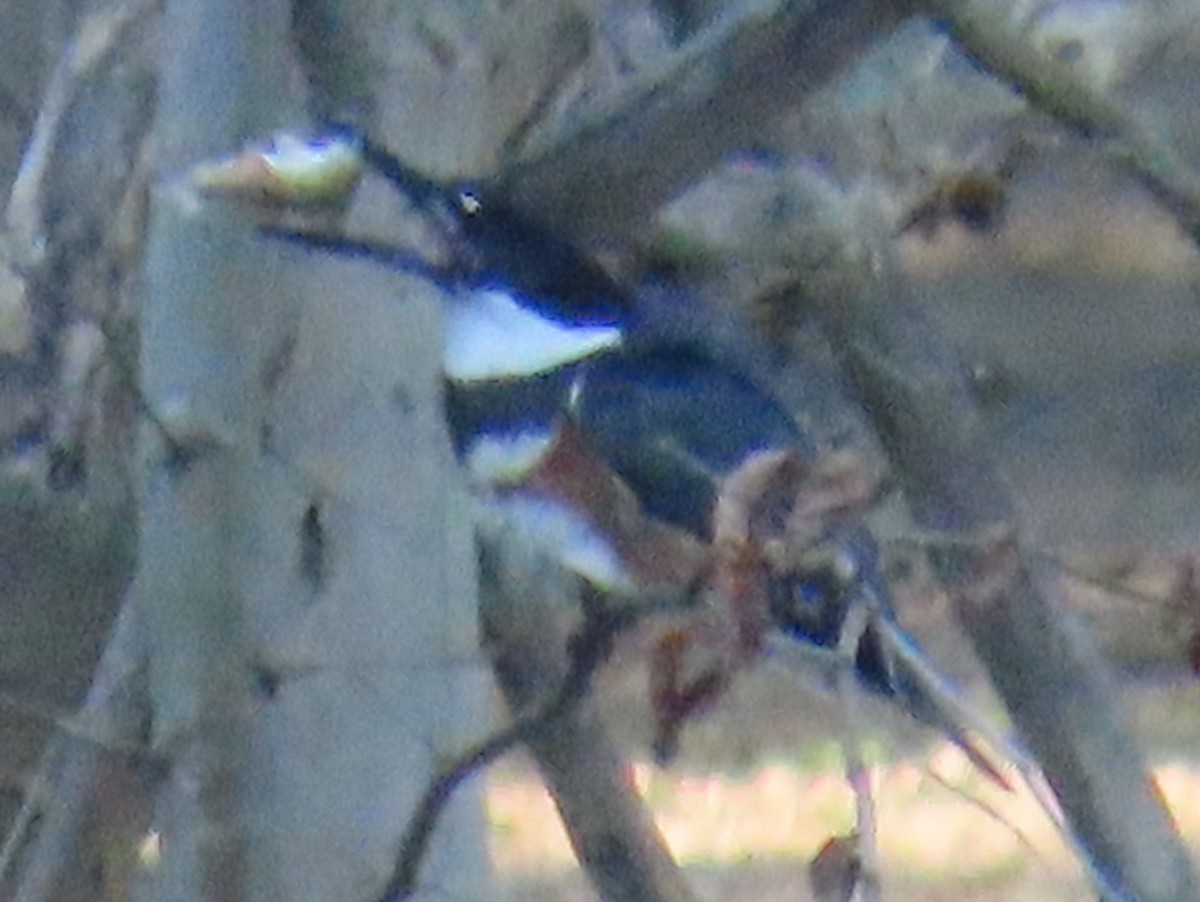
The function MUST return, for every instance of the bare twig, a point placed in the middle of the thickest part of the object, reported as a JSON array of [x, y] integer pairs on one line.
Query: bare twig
[[589, 650], [858, 772], [68, 795], [613, 835], [987, 809], [403, 883], [66, 725]]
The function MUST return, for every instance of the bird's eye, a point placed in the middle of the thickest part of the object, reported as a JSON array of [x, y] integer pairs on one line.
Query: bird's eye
[[812, 599], [469, 203]]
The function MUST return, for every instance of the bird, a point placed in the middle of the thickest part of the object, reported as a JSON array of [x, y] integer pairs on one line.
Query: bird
[[620, 449]]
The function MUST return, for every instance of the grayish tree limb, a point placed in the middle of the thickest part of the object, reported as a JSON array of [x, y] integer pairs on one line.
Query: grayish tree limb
[[915, 389], [602, 172], [529, 614], [210, 320], [1046, 674], [304, 570]]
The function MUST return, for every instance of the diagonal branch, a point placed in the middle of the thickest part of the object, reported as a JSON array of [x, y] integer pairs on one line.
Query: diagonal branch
[[605, 171], [529, 615], [1048, 680], [49, 853], [588, 652], [989, 34]]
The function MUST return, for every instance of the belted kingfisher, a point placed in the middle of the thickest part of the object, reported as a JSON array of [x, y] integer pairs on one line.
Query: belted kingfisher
[[546, 357]]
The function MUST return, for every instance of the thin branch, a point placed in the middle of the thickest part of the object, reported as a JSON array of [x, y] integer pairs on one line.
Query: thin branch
[[424, 821], [588, 652], [989, 810], [67, 725], [68, 793]]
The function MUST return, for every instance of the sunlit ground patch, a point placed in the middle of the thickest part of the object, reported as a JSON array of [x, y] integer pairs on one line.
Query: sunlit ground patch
[[933, 842]]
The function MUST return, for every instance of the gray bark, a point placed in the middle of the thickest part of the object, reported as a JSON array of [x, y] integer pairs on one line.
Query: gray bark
[[304, 570]]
